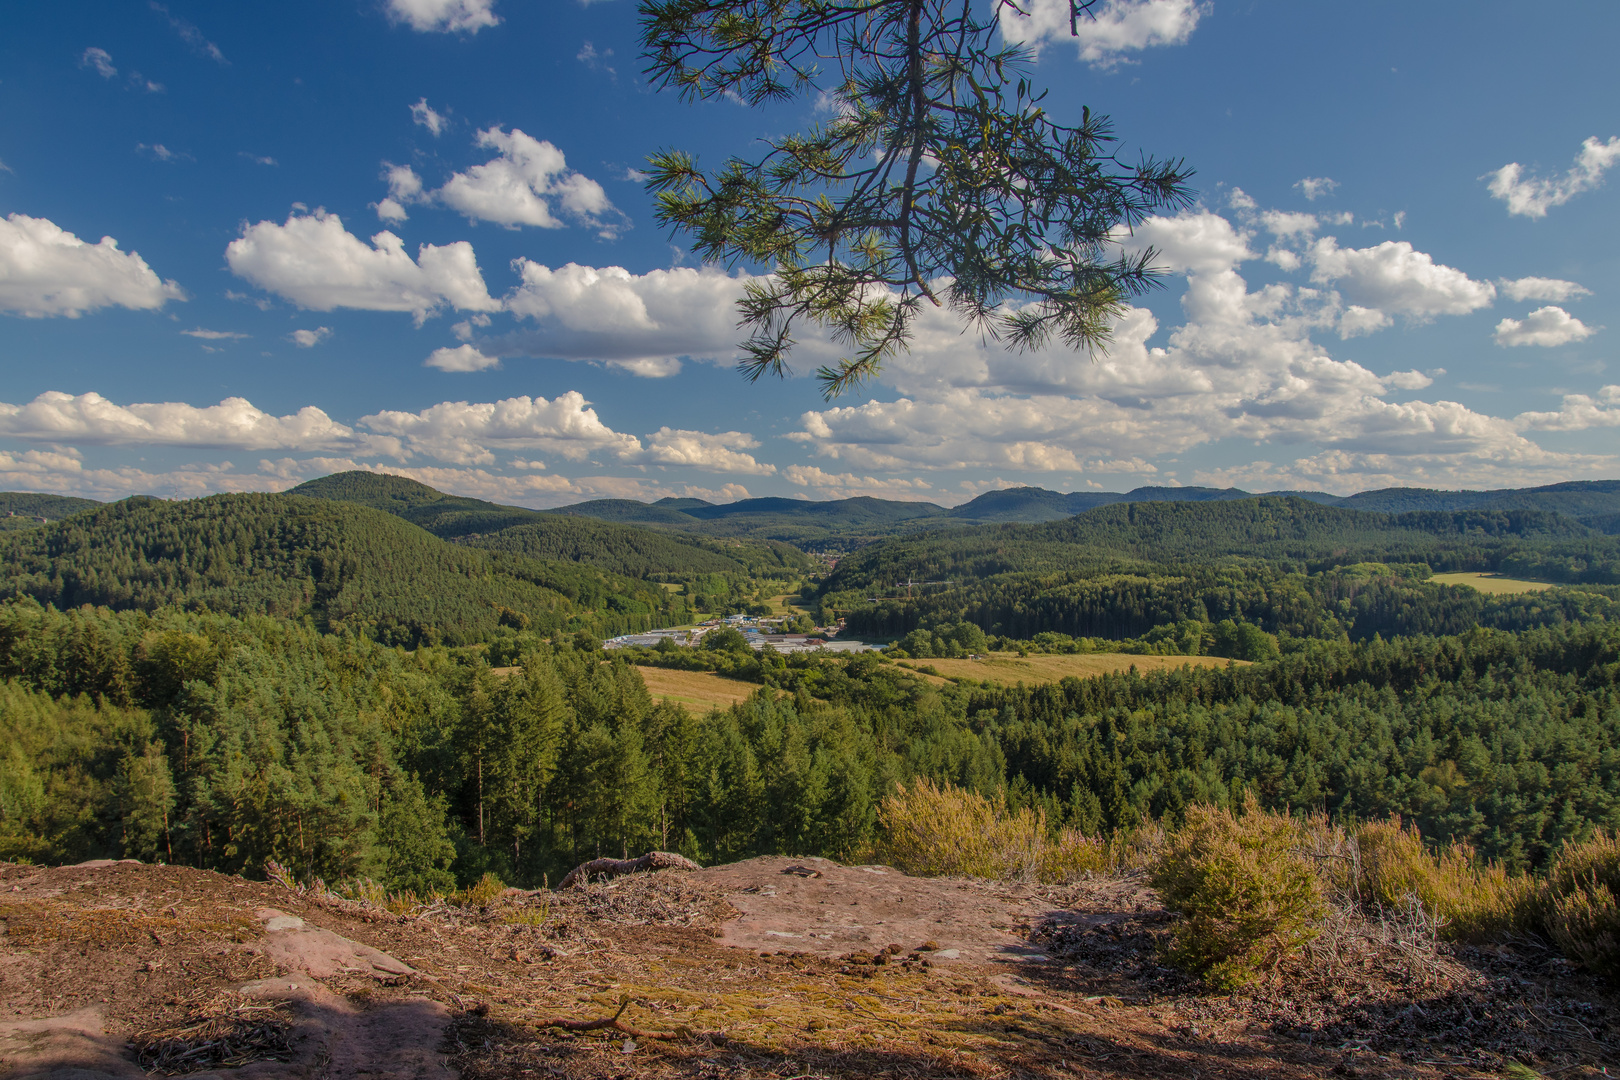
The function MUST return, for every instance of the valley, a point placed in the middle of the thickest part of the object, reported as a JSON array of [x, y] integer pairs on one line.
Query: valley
[[397, 704]]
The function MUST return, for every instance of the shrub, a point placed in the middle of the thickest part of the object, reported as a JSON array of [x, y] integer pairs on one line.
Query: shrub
[[938, 830], [1474, 902], [1070, 855], [1582, 915], [1585, 925], [1580, 865], [483, 893], [1246, 897]]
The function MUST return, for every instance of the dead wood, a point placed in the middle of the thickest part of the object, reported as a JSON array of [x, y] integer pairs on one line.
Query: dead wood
[[607, 868], [616, 1024]]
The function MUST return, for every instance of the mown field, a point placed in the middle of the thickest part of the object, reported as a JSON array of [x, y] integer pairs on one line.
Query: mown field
[[1492, 584], [1009, 668], [699, 689]]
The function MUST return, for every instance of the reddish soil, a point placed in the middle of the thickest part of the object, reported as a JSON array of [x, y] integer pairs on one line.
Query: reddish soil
[[218, 977]]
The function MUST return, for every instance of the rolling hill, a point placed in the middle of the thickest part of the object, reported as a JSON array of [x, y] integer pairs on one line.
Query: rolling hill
[[584, 539], [347, 567], [26, 509], [858, 521]]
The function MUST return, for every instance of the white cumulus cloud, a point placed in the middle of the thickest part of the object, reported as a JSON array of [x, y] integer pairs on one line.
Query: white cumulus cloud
[[308, 339], [465, 433], [404, 187], [461, 358], [642, 323], [445, 16], [1241, 367], [721, 452], [1395, 277], [235, 423], [316, 263], [1548, 326], [1533, 197], [1539, 288], [1109, 33], [46, 270], [1578, 412], [530, 183]]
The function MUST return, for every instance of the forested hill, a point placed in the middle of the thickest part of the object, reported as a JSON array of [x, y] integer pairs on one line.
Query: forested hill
[[350, 568], [1291, 530], [25, 509], [811, 523], [618, 549], [1287, 565]]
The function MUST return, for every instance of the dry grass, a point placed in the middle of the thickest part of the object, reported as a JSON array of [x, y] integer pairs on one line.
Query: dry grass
[[1009, 668], [224, 1032], [1472, 901], [943, 831], [1491, 584], [700, 689]]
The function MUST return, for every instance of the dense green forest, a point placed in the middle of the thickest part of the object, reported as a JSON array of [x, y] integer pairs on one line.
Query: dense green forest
[[224, 742], [24, 509], [1291, 566], [618, 549], [350, 569]]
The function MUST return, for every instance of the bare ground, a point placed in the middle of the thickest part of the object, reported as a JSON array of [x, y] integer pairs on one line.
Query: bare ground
[[769, 968]]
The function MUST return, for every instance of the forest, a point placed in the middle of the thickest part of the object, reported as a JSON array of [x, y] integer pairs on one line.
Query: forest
[[227, 681], [1290, 566]]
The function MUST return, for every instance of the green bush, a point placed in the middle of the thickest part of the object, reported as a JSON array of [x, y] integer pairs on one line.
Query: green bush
[[1246, 898]]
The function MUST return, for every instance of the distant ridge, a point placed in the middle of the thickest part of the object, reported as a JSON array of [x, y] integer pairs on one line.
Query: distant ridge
[[834, 522], [1596, 503]]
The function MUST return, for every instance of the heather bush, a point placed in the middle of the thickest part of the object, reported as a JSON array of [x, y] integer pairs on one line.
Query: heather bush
[[1246, 894], [1585, 925], [1582, 915], [939, 830], [1472, 901]]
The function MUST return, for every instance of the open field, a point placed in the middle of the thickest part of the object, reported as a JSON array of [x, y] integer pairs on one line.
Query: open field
[[1009, 668], [1492, 584], [699, 689]]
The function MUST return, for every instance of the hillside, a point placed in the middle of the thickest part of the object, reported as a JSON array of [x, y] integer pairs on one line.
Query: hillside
[[1261, 528], [615, 548], [25, 509], [1288, 565], [347, 567]]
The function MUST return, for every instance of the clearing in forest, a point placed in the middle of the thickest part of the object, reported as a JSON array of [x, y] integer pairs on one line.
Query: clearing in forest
[[1492, 584], [700, 689], [1009, 668]]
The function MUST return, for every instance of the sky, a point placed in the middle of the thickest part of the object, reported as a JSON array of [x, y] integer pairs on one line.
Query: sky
[[242, 246]]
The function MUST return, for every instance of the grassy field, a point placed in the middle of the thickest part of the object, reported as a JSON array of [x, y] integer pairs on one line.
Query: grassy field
[[1009, 668], [1491, 584], [697, 689]]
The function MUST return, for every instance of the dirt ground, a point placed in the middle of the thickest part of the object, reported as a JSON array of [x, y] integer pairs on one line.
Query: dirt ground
[[775, 967]]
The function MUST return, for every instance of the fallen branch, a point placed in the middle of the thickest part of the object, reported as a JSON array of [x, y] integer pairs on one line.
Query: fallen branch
[[616, 1024], [607, 868]]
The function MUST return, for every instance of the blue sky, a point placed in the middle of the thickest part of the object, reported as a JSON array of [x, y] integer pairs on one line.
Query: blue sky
[[408, 235]]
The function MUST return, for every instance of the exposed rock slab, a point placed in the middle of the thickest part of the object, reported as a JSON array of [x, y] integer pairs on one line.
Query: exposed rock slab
[[817, 906]]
